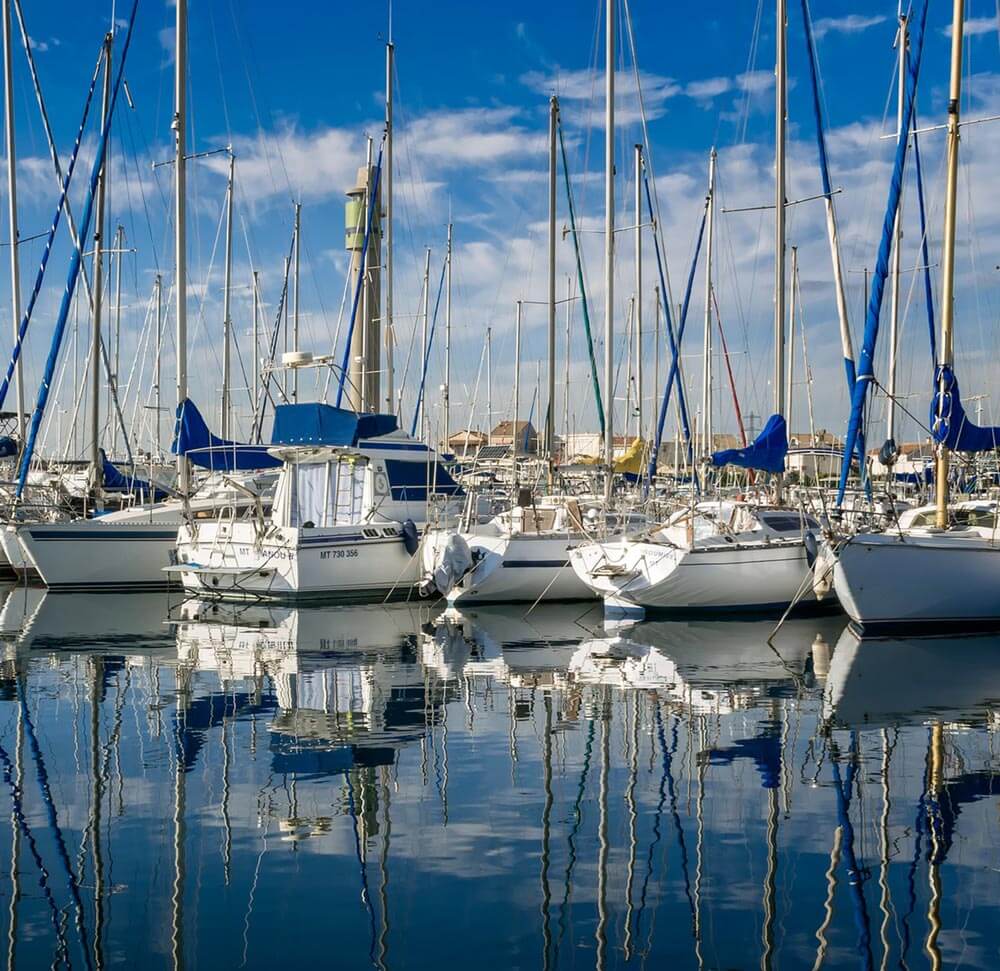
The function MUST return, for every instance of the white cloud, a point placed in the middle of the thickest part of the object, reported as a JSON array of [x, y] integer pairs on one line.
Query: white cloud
[[977, 26], [852, 23], [587, 87], [708, 88]]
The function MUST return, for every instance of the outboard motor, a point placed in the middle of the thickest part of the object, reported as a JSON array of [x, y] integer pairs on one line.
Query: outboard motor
[[450, 563]]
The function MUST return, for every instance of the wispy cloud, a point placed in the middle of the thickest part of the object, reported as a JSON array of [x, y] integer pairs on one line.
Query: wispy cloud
[[587, 87], [852, 23], [976, 26]]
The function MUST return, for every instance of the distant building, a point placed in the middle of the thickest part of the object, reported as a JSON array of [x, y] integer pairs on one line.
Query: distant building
[[591, 445], [911, 459], [525, 440], [466, 442]]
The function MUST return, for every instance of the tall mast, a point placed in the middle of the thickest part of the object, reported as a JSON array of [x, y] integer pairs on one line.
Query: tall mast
[[792, 302], [948, 250], [637, 305], [708, 441], [897, 238], [550, 413], [295, 298], [609, 245], [781, 75], [256, 336], [227, 320], [390, 51], [180, 221], [98, 289], [489, 385], [157, 410], [425, 317], [517, 385], [446, 391], [118, 248], [12, 240]]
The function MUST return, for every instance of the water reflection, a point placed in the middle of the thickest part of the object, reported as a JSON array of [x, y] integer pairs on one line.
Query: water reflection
[[191, 783]]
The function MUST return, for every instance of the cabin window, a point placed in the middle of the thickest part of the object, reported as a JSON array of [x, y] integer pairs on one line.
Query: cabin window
[[782, 523], [411, 481]]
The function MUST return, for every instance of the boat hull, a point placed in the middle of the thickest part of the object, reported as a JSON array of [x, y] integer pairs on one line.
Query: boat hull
[[520, 568], [93, 555], [331, 564], [888, 583], [654, 576]]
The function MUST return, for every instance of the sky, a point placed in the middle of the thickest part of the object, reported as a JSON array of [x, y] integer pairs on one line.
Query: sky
[[295, 89]]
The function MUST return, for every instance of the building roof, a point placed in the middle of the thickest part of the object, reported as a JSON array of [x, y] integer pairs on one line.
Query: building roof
[[506, 428]]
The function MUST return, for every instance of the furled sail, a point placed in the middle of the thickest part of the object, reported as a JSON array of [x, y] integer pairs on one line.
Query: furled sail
[[766, 452], [950, 425]]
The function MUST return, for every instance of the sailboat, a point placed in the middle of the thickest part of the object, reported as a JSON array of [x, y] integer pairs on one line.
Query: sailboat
[[129, 548], [945, 572], [721, 554]]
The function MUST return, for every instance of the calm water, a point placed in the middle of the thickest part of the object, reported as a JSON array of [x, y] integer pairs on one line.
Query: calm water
[[185, 786]]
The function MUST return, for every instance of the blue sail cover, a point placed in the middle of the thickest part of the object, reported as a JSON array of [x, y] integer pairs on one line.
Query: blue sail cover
[[314, 423], [193, 439], [949, 424], [117, 481], [766, 452]]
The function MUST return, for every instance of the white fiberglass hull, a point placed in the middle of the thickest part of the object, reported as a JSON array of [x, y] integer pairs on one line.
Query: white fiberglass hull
[[520, 568], [13, 552], [96, 554], [748, 576], [228, 562], [888, 582]]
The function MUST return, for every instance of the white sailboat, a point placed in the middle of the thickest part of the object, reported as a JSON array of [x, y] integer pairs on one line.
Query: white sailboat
[[945, 572], [348, 509], [721, 554]]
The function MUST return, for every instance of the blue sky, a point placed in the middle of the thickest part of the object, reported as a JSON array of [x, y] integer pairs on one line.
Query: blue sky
[[296, 87]]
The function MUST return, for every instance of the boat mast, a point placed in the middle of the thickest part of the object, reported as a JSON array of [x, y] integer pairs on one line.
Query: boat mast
[[180, 223], [227, 320], [118, 248], [446, 390], [609, 246], [489, 385], [390, 52], [98, 290], [12, 240], [897, 238], [793, 292], [637, 304], [424, 363], [157, 368], [780, 70], [550, 414], [256, 336], [295, 304], [946, 344], [515, 440], [708, 441]]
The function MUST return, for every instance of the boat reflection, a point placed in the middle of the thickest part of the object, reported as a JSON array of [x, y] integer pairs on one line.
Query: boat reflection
[[884, 682], [344, 686], [670, 792]]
